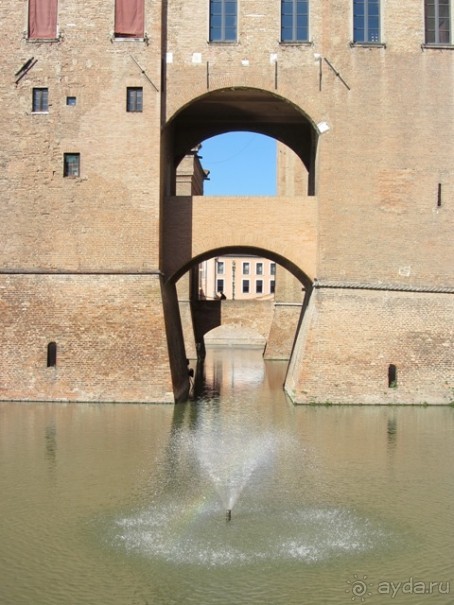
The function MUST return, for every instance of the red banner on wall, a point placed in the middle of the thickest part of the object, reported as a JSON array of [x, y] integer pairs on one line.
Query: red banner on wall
[[42, 18], [129, 18]]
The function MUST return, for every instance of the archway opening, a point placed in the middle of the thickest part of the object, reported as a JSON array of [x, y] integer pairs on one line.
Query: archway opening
[[267, 321], [240, 109], [200, 228]]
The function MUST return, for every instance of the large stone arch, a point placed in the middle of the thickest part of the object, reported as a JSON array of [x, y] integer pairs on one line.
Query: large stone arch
[[192, 225], [205, 315], [240, 109], [298, 272]]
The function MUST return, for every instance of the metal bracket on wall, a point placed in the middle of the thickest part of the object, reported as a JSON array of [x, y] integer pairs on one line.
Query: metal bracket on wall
[[144, 73], [26, 67], [337, 74]]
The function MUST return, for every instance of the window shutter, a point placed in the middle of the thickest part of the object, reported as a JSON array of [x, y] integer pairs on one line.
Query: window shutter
[[129, 18], [42, 19]]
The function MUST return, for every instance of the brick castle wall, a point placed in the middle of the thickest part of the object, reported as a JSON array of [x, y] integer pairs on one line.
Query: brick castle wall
[[381, 217]]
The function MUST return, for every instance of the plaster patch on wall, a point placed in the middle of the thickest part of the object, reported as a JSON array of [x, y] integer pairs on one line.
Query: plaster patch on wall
[[405, 271]]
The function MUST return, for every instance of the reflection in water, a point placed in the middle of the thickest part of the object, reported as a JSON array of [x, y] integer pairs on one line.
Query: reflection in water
[[133, 511], [51, 444]]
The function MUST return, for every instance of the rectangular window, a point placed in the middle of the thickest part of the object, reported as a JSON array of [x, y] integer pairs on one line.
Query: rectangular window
[[366, 21], [134, 98], [272, 286], [246, 268], [42, 19], [438, 21], [220, 267], [71, 164], [220, 285], [40, 103], [259, 286], [245, 286], [294, 20], [259, 268], [223, 20], [129, 19], [273, 268]]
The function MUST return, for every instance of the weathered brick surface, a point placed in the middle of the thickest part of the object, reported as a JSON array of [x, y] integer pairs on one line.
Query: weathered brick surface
[[109, 332], [267, 224], [282, 331], [350, 337]]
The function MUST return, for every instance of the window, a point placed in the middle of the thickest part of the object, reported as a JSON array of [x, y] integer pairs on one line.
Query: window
[[438, 21], [40, 100], [259, 268], [272, 286], [259, 286], [220, 267], [42, 19], [134, 99], [392, 376], [294, 20], [366, 21], [52, 355], [220, 285], [245, 286], [246, 268], [273, 268], [223, 20], [71, 164], [129, 19], [71, 101]]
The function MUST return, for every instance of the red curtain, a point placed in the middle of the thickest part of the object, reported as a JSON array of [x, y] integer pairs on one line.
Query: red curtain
[[129, 18], [42, 18]]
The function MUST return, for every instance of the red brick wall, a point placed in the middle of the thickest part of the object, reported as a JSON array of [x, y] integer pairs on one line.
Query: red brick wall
[[109, 332]]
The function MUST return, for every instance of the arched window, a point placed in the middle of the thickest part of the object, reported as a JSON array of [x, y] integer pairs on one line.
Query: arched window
[[392, 376], [52, 355]]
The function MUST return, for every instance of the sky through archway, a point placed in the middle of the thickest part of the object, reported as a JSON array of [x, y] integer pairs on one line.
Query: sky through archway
[[240, 163]]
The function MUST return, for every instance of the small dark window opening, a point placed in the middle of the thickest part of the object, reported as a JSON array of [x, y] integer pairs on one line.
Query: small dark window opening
[[134, 99], [439, 196], [71, 101], [392, 376], [71, 164], [52, 355]]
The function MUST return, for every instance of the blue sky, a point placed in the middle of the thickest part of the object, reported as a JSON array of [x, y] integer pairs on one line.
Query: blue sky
[[240, 163]]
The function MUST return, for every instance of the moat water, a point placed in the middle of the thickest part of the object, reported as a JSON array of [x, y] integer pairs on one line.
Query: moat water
[[126, 504]]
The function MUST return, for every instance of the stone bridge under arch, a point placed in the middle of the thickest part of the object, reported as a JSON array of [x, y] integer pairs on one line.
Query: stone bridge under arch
[[284, 228]]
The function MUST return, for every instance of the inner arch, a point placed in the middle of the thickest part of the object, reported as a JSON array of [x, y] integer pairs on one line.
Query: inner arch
[[250, 250]]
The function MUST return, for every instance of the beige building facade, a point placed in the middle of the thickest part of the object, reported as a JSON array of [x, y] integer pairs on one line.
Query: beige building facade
[[100, 105], [237, 278]]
